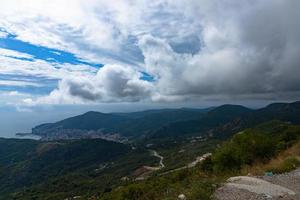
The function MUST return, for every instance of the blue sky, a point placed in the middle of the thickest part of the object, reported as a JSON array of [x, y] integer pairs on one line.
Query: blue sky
[[40, 52], [49, 55], [41, 84], [162, 52]]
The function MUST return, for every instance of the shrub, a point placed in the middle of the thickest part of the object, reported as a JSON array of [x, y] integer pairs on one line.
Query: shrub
[[207, 165], [242, 150]]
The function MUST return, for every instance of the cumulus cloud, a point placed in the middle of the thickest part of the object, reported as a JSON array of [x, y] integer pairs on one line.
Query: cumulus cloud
[[251, 50], [112, 83], [194, 49], [12, 97]]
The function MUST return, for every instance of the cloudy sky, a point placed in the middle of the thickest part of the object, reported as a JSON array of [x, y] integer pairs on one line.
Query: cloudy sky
[[99, 54]]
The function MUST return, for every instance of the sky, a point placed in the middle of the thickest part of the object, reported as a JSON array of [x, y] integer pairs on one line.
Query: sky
[[58, 59]]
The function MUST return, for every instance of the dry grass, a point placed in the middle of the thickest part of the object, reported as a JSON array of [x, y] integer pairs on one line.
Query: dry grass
[[279, 164]]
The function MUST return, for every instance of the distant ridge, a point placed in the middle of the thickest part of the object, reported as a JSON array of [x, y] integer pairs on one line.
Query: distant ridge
[[124, 124], [219, 121], [225, 120]]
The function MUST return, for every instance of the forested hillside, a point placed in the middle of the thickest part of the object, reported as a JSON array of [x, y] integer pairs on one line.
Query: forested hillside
[[166, 161]]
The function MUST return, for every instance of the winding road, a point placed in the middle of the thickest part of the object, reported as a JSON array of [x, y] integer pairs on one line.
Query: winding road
[[155, 154], [161, 165]]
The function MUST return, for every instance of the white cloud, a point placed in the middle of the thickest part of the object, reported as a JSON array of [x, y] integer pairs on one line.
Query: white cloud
[[84, 29], [3, 34], [13, 97], [244, 47], [11, 63], [112, 83], [18, 83], [15, 54], [239, 48], [96, 29], [15, 93]]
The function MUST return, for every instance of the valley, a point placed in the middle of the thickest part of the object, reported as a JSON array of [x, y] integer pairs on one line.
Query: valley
[[146, 164], [149, 100]]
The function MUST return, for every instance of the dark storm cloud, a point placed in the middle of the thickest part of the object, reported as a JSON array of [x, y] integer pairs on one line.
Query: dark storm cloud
[[200, 49], [250, 52]]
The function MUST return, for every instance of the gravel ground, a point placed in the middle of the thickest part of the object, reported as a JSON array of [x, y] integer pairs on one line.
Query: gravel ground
[[277, 187], [289, 180]]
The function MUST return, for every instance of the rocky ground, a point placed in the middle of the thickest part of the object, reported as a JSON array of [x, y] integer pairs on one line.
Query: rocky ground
[[277, 187]]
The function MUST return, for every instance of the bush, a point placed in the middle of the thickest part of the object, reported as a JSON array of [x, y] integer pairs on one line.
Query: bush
[[258, 144], [207, 165], [243, 149], [133, 193]]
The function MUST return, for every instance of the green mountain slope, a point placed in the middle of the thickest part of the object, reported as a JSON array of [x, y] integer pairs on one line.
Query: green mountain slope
[[219, 122], [255, 145], [99, 169], [223, 121], [125, 124], [61, 165]]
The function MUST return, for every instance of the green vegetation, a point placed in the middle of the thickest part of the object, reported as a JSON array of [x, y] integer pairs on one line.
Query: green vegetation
[[101, 170], [181, 152], [93, 169], [224, 121], [209, 121], [193, 183], [221, 122], [287, 165], [134, 124], [57, 170], [242, 150], [247, 148], [257, 144]]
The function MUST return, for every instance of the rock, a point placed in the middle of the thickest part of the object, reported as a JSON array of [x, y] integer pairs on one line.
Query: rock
[[181, 197], [276, 187], [258, 186], [125, 178]]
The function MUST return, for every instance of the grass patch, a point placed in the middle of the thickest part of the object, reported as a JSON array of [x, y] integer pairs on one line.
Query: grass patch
[[193, 183], [285, 161], [287, 165]]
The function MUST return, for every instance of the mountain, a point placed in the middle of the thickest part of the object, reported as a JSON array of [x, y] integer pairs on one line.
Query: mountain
[[225, 120], [271, 148], [118, 125], [144, 122], [99, 169], [163, 145], [212, 119], [64, 165], [221, 121], [89, 125], [280, 111]]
